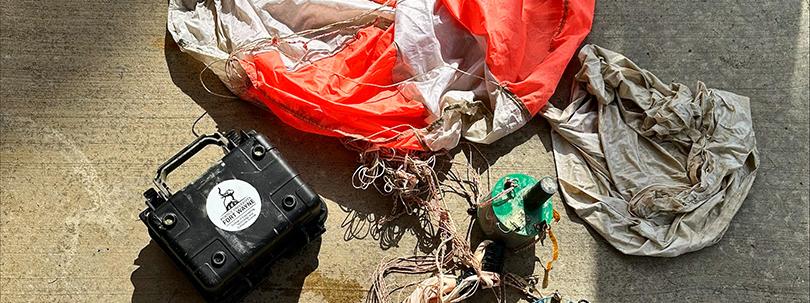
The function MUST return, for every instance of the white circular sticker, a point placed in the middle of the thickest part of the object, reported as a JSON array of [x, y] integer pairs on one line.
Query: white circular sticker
[[233, 205]]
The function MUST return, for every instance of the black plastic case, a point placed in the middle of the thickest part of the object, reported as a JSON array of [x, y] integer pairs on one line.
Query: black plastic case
[[213, 228]]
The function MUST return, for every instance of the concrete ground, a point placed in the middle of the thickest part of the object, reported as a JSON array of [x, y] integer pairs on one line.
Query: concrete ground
[[95, 96]]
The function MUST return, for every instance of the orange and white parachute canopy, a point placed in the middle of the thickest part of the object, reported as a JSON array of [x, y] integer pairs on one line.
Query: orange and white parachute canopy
[[413, 75]]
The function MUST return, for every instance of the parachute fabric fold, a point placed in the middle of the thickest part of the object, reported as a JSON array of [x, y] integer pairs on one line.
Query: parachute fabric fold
[[529, 43], [332, 96], [656, 169]]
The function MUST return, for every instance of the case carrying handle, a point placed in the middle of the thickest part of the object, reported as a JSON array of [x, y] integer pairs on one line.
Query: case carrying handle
[[185, 154]]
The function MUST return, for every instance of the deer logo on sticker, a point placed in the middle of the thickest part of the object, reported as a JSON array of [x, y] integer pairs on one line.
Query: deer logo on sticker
[[233, 205], [227, 194]]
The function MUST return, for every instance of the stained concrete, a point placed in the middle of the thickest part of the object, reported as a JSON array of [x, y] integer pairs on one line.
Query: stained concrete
[[94, 97]]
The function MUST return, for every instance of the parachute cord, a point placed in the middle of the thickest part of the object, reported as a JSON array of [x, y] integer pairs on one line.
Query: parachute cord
[[410, 79], [208, 67], [369, 138], [194, 125]]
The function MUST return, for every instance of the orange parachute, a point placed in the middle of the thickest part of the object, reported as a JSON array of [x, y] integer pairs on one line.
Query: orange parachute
[[418, 75]]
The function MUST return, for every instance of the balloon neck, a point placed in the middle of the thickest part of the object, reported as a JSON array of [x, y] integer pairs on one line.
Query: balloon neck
[[536, 196]]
